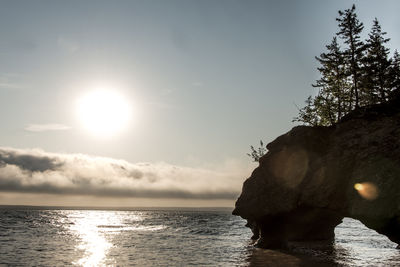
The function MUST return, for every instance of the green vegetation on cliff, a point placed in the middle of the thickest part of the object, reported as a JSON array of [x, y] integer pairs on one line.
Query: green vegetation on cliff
[[360, 74]]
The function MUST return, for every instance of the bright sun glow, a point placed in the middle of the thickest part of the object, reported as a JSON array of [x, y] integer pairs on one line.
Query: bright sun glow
[[103, 112]]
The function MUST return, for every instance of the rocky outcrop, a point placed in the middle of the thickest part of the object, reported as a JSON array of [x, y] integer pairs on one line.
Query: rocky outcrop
[[312, 177]]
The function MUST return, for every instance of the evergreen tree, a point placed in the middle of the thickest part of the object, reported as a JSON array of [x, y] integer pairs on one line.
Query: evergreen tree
[[324, 109], [395, 71], [377, 67], [308, 114], [349, 30], [332, 100], [362, 74], [333, 94]]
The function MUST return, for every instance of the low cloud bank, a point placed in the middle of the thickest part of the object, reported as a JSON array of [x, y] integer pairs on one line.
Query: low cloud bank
[[46, 127], [36, 171]]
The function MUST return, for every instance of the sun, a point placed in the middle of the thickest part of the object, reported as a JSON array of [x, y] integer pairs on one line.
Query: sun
[[103, 112]]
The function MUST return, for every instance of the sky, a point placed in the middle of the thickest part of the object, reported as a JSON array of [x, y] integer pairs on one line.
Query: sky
[[203, 80]]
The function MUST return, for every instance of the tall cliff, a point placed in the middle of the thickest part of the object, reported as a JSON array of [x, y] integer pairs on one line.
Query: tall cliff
[[312, 177]]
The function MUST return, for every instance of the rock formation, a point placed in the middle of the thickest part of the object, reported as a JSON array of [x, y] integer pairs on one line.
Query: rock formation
[[312, 177]]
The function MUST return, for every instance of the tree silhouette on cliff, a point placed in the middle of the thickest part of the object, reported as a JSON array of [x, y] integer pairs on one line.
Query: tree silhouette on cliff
[[333, 99], [377, 80], [361, 74], [395, 71], [350, 29]]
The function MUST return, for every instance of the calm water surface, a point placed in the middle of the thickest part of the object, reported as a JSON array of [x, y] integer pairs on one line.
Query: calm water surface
[[169, 238]]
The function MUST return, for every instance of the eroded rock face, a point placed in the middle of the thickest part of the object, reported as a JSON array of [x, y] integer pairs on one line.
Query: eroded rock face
[[312, 177]]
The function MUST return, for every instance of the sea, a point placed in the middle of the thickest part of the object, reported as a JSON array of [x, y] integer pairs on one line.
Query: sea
[[40, 236]]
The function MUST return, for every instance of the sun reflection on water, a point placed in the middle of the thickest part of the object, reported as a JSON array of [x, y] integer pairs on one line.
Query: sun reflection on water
[[95, 229]]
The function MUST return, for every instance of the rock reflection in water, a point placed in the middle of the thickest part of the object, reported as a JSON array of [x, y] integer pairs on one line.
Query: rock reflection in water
[[354, 245], [265, 257]]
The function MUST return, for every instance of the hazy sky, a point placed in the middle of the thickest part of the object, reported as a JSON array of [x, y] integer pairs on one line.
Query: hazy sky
[[205, 79]]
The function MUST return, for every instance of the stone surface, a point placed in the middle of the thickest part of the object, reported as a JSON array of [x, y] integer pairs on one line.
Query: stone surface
[[312, 177]]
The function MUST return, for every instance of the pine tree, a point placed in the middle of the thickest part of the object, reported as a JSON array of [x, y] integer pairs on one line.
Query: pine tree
[[333, 84], [307, 114], [331, 102], [362, 74], [377, 67], [349, 30], [395, 71], [324, 109]]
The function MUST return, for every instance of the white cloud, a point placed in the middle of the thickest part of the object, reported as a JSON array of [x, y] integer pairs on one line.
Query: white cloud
[[36, 171], [46, 127]]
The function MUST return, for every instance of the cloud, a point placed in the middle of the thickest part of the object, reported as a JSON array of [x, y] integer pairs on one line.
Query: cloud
[[46, 127], [36, 171]]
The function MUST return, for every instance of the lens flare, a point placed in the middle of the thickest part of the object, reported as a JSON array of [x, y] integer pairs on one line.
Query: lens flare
[[367, 190]]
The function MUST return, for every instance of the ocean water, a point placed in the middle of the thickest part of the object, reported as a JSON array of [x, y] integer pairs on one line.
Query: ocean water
[[43, 237]]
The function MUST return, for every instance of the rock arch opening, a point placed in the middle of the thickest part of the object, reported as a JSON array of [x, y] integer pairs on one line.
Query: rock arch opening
[[356, 242]]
